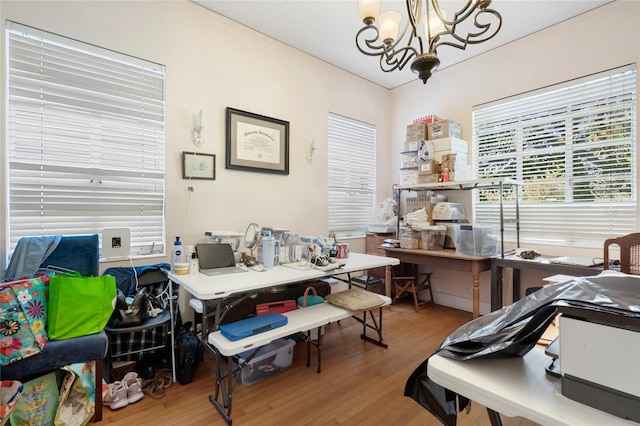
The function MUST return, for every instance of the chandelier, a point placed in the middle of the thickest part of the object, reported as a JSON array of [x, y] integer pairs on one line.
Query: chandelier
[[422, 34]]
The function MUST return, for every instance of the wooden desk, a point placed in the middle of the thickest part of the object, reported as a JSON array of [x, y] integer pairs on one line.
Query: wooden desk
[[447, 259], [517, 387], [517, 264]]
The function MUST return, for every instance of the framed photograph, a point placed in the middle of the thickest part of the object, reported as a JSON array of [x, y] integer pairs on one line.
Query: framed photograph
[[257, 143], [198, 166]]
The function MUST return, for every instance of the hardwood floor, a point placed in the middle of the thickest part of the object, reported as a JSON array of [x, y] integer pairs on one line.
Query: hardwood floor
[[360, 383]]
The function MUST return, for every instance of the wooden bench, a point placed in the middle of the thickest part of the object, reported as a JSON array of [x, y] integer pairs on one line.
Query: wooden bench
[[299, 321]]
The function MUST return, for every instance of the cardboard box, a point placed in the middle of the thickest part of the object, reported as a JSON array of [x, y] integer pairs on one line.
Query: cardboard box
[[424, 178], [409, 176], [412, 145], [440, 156], [427, 119], [462, 171], [451, 144], [443, 129], [417, 131], [409, 159], [428, 167]]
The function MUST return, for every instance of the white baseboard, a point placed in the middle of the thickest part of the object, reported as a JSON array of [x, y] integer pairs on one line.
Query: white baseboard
[[455, 302]]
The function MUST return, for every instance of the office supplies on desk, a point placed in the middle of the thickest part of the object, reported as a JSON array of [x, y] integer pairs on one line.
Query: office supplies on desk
[[576, 261], [217, 259]]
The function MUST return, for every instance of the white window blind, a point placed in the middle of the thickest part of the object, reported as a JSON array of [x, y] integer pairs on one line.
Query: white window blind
[[573, 146], [85, 140], [352, 174]]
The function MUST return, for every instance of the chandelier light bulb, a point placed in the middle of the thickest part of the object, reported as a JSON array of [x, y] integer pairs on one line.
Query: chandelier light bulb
[[389, 24], [369, 10]]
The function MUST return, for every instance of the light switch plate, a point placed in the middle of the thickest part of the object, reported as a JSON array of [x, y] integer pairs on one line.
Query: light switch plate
[[116, 242]]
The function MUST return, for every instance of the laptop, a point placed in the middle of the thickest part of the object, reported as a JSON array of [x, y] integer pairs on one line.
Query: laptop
[[577, 261], [217, 259]]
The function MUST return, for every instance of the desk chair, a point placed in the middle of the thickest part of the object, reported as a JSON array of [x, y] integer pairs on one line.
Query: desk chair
[[154, 334], [629, 253], [407, 279]]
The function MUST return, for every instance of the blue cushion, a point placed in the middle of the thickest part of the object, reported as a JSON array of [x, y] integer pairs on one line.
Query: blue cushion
[[78, 252], [57, 354]]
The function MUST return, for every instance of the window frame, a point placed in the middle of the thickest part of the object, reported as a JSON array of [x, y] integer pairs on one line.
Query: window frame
[[110, 108], [351, 175], [583, 218]]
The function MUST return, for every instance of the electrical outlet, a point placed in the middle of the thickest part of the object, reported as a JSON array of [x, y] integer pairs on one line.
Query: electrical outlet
[[116, 242]]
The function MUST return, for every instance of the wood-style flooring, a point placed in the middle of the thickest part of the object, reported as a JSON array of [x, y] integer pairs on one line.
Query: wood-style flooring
[[360, 383]]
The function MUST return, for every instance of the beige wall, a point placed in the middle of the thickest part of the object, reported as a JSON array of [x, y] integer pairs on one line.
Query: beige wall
[[213, 63], [605, 38]]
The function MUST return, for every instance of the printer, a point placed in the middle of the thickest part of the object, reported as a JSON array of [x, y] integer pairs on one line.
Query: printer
[[599, 354], [448, 214]]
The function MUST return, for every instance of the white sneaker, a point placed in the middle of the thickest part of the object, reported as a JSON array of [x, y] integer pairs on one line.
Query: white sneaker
[[133, 384], [117, 396]]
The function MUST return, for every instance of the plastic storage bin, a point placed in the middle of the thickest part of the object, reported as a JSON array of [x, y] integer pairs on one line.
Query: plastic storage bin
[[273, 357], [476, 239], [433, 237], [410, 239]]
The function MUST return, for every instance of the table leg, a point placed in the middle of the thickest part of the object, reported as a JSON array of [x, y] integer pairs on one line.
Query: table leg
[[496, 287], [387, 281], [494, 417], [516, 285], [476, 295]]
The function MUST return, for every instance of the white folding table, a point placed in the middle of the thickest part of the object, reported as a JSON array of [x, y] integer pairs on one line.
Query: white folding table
[[517, 387]]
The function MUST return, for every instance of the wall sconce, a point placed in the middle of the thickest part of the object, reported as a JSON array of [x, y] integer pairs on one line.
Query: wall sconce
[[196, 130]]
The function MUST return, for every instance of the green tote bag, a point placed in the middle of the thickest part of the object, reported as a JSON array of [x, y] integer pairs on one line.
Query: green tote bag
[[79, 305]]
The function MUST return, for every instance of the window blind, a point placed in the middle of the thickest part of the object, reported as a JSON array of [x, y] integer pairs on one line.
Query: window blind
[[352, 174], [573, 146], [85, 140]]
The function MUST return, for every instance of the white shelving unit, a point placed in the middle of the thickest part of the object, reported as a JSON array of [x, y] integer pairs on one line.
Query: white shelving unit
[[468, 185]]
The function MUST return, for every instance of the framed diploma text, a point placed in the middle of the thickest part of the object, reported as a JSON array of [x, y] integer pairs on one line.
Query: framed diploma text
[[257, 143]]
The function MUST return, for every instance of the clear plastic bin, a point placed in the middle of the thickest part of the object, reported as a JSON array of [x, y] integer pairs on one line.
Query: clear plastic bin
[[477, 239], [433, 237], [272, 358]]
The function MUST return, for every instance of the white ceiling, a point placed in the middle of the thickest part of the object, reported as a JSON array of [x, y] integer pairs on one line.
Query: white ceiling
[[326, 29]]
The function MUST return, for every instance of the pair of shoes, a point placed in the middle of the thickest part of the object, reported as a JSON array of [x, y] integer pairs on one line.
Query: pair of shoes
[[165, 375], [153, 388], [133, 384], [116, 396]]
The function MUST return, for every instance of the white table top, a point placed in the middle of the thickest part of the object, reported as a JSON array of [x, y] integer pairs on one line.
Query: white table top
[[220, 286], [517, 387]]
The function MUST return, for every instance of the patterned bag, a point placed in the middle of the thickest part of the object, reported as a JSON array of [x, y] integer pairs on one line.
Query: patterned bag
[[17, 340]]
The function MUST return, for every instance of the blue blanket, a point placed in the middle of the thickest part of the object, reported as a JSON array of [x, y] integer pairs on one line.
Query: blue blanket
[[29, 254]]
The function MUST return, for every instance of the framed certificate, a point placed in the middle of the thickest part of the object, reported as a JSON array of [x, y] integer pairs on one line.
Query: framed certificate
[[198, 166], [257, 143]]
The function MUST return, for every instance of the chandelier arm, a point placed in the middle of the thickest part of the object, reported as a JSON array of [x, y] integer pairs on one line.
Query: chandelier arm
[[370, 43], [397, 59], [487, 32]]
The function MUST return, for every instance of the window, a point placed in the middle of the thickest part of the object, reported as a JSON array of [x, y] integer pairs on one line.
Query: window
[[352, 175], [573, 147], [85, 140]]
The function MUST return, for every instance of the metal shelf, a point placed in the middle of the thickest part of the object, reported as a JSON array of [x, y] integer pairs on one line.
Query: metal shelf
[[469, 185]]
